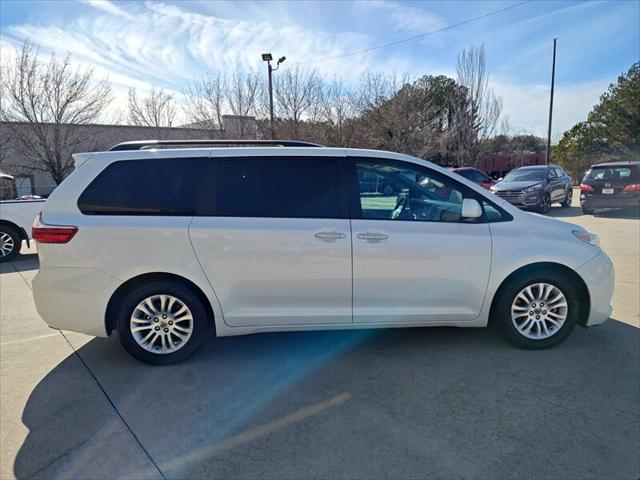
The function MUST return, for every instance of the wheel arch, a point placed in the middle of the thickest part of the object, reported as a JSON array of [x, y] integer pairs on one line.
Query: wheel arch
[[126, 287], [571, 275], [17, 228]]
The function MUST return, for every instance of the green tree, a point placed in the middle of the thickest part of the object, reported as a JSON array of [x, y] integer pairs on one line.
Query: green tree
[[612, 129]]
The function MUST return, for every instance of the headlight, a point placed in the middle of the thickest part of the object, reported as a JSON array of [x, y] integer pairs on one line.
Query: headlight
[[533, 188], [586, 237]]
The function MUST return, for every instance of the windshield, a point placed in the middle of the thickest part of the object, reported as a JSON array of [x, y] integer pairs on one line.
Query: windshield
[[525, 175]]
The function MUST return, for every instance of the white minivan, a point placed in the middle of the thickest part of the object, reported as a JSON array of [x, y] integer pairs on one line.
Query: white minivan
[[164, 240]]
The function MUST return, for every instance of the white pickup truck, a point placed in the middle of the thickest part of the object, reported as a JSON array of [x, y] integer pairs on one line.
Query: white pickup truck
[[16, 218]]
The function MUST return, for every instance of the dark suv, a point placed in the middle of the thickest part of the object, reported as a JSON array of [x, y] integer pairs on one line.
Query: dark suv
[[611, 185], [536, 187]]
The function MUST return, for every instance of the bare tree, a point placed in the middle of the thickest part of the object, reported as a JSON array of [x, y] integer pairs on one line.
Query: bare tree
[[338, 110], [296, 91], [155, 110], [205, 103], [242, 94], [478, 117], [51, 98]]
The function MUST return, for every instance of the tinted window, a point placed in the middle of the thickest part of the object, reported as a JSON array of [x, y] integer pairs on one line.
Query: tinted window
[[391, 190], [287, 187], [147, 187], [552, 173], [608, 173], [473, 175]]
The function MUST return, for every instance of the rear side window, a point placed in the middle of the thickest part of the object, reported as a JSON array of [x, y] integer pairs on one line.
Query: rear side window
[[147, 187], [278, 187]]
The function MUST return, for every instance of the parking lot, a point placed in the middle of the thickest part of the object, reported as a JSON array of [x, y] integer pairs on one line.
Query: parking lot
[[404, 403]]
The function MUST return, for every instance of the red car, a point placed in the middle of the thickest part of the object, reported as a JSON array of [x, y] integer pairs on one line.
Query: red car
[[475, 175]]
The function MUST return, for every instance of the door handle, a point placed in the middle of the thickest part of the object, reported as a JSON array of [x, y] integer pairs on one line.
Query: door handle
[[330, 235], [372, 236]]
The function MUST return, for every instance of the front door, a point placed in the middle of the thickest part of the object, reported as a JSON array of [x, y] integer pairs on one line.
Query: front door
[[278, 249], [414, 258]]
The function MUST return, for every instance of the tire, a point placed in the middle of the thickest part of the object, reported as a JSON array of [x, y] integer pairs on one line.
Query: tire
[[10, 243], [186, 335], [545, 205], [534, 319], [588, 211], [568, 198]]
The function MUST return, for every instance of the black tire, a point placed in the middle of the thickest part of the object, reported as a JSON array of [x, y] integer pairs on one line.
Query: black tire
[[507, 295], [568, 198], [14, 240], [200, 324], [588, 211], [545, 204]]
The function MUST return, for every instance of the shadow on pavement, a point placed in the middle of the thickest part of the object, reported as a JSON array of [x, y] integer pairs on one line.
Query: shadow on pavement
[[403, 403]]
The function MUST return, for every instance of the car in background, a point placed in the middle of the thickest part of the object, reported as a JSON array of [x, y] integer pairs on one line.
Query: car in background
[[475, 175], [16, 217], [610, 185], [536, 187]]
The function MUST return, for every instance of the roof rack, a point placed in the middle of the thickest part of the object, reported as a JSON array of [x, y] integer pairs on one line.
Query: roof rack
[[144, 144]]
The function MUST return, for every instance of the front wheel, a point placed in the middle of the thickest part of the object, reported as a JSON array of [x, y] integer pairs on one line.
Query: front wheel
[[538, 310], [545, 204], [162, 322], [10, 243]]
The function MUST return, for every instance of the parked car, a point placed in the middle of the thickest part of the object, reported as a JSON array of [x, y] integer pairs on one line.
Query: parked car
[[16, 218], [536, 187], [164, 244], [476, 176], [611, 185]]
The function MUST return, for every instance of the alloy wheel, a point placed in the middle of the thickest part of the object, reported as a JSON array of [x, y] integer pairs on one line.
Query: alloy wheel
[[161, 324], [6, 244], [539, 311]]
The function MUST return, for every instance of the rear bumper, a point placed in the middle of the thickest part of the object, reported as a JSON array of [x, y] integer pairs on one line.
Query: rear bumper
[[599, 276], [602, 201], [74, 299]]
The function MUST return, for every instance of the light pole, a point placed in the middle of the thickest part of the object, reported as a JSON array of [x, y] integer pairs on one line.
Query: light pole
[[267, 57], [553, 78]]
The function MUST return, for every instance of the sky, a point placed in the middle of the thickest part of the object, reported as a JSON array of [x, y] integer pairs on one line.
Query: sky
[[169, 44]]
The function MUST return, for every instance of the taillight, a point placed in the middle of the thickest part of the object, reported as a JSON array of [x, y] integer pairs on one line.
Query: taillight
[[632, 188], [43, 233], [586, 188]]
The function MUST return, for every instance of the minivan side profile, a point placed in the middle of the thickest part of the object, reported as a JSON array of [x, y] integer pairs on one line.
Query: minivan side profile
[[164, 244]]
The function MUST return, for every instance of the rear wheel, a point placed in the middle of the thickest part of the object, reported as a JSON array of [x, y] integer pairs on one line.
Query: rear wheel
[[538, 309], [568, 198], [162, 323], [10, 243], [587, 210]]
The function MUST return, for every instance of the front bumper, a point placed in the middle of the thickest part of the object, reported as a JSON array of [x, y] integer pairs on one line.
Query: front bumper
[[599, 276], [522, 199], [74, 299]]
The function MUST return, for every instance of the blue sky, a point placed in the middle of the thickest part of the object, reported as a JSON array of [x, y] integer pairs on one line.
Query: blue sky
[[171, 43]]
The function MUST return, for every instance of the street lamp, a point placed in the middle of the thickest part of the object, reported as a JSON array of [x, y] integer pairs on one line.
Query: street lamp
[[267, 57]]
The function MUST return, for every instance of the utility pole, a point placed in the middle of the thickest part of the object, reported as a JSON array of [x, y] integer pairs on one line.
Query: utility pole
[[267, 57], [553, 79]]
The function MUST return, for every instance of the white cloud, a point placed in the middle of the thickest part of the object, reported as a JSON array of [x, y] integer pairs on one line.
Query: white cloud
[[109, 7]]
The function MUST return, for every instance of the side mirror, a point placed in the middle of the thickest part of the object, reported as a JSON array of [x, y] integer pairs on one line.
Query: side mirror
[[471, 208]]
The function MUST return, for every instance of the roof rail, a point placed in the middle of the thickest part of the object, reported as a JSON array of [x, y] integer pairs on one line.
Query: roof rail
[[144, 144]]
